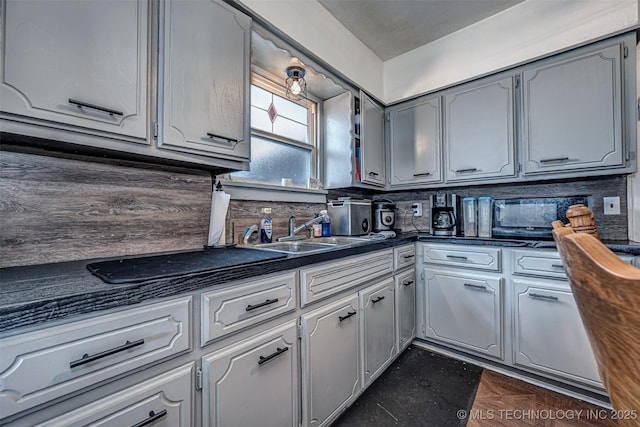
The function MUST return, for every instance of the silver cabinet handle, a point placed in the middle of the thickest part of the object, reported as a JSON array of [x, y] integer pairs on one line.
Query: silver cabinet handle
[[470, 285], [213, 135], [557, 159], [544, 297], [109, 111], [467, 170], [422, 174], [460, 258]]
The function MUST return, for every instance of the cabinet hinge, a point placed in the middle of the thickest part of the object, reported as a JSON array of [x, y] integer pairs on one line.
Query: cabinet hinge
[[519, 168], [155, 129], [198, 379], [517, 81], [626, 51], [628, 155], [422, 275], [299, 331]]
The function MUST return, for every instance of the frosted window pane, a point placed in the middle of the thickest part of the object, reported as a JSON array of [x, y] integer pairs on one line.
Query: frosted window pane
[[271, 161], [290, 129], [260, 120], [260, 97], [290, 110]]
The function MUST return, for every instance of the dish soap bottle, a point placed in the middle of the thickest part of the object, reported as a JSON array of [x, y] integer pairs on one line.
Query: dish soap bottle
[[326, 224], [266, 230]]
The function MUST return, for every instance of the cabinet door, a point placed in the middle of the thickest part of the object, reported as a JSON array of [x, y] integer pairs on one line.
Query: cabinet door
[[205, 67], [331, 360], [372, 142], [77, 63], [464, 310], [479, 131], [164, 401], [548, 332], [415, 143], [572, 113], [405, 308], [377, 304], [254, 382]]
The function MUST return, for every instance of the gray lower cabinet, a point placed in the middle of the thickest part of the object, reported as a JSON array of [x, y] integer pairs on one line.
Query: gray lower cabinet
[[78, 64], [415, 143], [572, 112], [253, 382], [464, 309], [164, 401], [548, 334], [204, 73], [405, 308], [330, 360], [479, 131], [377, 304]]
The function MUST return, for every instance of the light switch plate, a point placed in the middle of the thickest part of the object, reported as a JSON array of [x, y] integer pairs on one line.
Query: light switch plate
[[611, 205]]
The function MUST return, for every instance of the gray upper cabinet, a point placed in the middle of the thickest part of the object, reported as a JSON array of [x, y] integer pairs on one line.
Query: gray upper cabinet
[[372, 142], [415, 143], [572, 117], [205, 73], [79, 64], [479, 131]]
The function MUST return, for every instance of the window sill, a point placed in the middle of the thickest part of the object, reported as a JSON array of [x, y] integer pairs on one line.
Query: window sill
[[241, 190]]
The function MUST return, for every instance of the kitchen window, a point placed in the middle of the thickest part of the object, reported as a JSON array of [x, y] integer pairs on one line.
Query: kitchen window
[[284, 152]]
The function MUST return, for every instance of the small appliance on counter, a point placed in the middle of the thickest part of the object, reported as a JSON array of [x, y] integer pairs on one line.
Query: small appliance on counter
[[384, 215], [446, 215], [350, 217], [532, 217]]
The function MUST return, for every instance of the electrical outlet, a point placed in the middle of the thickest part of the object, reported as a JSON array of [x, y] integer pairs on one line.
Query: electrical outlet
[[611, 205], [417, 209]]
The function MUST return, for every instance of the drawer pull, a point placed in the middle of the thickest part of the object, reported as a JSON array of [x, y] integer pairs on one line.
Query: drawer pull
[[86, 358], [544, 297], [213, 135], [152, 417], [349, 314], [422, 174], [262, 304], [408, 256], [81, 105], [460, 258], [557, 266], [373, 174], [277, 353], [377, 300], [467, 170], [558, 159], [408, 282], [481, 287]]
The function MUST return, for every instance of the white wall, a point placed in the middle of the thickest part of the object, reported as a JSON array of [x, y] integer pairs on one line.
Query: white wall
[[311, 25], [528, 30]]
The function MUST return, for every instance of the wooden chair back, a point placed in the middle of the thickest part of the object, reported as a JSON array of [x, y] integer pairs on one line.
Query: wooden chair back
[[607, 292]]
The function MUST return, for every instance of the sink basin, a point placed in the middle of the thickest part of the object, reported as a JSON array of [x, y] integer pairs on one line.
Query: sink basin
[[296, 247], [342, 240]]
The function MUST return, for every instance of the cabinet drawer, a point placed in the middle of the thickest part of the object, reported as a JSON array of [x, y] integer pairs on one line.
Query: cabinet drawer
[[332, 277], [404, 256], [230, 310], [481, 258], [38, 366], [164, 401], [543, 263], [254, 382]]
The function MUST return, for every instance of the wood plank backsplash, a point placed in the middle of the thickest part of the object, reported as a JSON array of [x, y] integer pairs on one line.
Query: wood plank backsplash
[[62, 209]]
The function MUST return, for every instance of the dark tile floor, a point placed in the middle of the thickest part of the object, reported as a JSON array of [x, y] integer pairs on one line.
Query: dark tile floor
[[419, 389]]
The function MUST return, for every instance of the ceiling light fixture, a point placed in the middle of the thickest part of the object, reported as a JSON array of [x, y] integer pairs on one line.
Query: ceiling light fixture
[[295, 83]]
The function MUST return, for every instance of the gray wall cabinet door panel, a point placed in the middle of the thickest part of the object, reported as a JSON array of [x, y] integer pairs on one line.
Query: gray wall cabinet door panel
[[205, 67], [572, 113], [372, 143], [479, 131], [415, 143], [59, 52]]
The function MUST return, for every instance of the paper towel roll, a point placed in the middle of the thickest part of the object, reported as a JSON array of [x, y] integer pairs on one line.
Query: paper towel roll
[[219, 206]]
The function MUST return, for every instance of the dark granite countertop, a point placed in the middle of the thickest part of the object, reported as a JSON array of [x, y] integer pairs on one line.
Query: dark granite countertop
[[36, 294]]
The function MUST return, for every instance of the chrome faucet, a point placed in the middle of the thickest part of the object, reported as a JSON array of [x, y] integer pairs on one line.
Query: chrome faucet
[[293, 230]]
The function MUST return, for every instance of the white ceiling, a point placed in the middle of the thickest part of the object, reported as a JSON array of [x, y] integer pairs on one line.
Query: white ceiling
[[392, 27]]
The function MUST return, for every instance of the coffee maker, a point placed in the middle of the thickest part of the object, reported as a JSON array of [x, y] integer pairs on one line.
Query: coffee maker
[[446, 212]]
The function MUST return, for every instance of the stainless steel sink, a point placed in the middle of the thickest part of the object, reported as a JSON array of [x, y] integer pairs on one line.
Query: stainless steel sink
[[342, 240], [295, 247]]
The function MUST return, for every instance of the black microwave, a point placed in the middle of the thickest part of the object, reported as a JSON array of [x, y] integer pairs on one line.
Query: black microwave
[[532, 218]]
